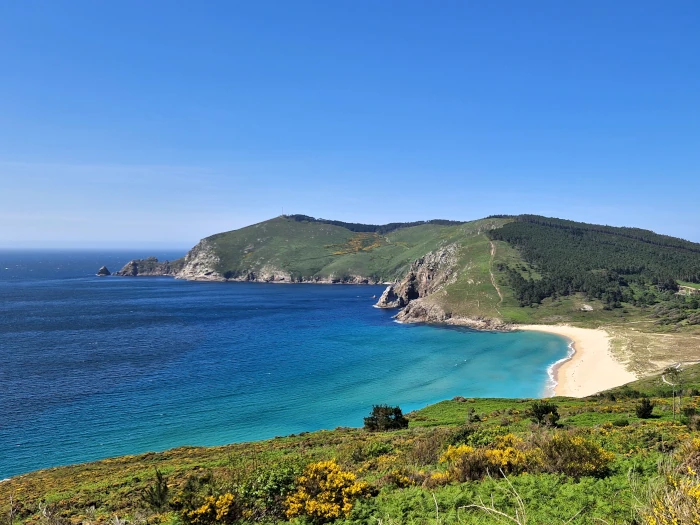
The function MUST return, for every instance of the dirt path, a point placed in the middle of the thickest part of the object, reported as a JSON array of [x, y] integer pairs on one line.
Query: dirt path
[[493, 278]]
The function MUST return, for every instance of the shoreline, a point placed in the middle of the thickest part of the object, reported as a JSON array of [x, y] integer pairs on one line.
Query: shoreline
[[589, 367]]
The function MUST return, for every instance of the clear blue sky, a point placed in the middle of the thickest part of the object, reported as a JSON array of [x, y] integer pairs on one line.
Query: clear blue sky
[[138, 123]]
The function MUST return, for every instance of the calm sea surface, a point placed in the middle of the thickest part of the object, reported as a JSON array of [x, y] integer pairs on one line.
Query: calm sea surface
[[95, 367]]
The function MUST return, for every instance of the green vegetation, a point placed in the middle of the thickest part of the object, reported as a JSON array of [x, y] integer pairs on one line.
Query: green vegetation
[[384, 417], [599, 462], [603, 262], [307, 249]]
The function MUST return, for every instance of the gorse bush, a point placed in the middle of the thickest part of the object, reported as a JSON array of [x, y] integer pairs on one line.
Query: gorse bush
[[325, 492], [575, 456], [225, 509], [384, 417], [559, 453], [508, 455]]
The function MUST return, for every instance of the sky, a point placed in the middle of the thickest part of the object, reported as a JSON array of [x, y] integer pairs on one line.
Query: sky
[[154, 124]]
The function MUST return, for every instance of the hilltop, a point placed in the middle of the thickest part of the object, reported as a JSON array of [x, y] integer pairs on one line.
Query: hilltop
[[490, 272]]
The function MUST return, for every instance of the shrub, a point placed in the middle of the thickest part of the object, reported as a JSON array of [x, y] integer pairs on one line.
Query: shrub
[[622, 422], [575, 456], [468, 463], [403, 477], [156, 496], [644, 408], [224, 509], [424, 450], [363, 452], [677, 500], [689, 456], [544, 412], [465, 463], [384, 417], [325, 492], [264, 494]]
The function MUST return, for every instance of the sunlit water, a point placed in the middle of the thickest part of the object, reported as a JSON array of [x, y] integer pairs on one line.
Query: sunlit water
[[95, 367]]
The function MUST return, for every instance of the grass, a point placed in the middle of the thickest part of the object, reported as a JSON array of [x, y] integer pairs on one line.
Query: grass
[[97, 492], [312, 249]]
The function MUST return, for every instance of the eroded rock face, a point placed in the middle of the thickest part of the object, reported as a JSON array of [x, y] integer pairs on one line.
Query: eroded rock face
[[425, 311], [200, 264], [389, 299], [102, 272], [149, 267], [426, 276]]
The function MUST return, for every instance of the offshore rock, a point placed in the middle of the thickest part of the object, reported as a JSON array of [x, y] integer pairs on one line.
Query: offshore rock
[[148, 267], [102, 272], [389, 299]]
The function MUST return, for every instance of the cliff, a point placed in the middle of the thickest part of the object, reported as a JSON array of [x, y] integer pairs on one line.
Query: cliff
[[147, 268], [425, 276]]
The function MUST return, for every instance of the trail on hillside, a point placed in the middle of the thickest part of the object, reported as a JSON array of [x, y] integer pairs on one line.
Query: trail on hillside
[[493, 278]]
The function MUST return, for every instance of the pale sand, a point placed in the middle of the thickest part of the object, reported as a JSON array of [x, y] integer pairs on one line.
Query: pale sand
[[592, 368]]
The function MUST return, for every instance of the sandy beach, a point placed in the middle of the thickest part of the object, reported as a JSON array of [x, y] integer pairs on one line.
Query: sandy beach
[[592, 367]]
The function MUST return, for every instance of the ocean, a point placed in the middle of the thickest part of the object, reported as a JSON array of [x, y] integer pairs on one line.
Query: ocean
[[95, 367]]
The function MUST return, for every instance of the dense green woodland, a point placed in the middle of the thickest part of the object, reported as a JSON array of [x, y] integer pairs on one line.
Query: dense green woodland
[[372, 228], [612, 264]]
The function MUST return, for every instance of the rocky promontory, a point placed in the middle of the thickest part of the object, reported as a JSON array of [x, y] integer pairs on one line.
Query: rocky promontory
[[425, 276], [148, 267]]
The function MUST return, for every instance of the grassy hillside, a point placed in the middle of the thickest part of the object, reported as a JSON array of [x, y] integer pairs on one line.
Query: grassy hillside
[[599, 463], [312, 248], [524, 269]]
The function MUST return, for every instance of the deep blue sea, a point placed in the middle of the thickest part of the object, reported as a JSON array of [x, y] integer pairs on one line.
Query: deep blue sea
[[95, 367]]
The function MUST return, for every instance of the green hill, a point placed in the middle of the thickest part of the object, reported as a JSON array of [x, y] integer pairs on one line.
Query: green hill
[[487, 273]]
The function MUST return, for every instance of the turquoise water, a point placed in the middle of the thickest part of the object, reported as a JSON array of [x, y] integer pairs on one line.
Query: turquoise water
[[97, 367]]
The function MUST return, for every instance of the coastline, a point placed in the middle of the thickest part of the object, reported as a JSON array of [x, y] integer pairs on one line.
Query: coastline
[[589, 367]]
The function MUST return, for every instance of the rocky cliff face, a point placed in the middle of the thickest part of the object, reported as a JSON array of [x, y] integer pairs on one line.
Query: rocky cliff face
[[417, 293], [427, 311], [200, 264], [426, 276], [146, 267]]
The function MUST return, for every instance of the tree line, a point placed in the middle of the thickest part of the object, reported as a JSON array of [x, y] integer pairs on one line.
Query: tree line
[[601, 261]]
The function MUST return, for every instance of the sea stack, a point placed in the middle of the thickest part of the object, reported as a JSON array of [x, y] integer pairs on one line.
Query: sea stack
[[103, 271]]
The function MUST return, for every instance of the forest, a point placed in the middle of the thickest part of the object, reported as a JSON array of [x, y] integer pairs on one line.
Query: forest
[[372, 228], [608, 263]]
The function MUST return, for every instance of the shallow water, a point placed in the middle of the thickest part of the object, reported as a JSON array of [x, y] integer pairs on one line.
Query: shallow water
[[97, 367]]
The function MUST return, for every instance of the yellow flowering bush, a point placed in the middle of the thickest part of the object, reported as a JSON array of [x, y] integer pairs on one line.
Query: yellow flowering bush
[[325, 492], [456, 453], [224, 509], [574, 456], [678, 503]]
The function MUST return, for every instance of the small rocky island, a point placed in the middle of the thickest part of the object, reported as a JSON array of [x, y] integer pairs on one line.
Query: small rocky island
[[103, 272], [150, 267]]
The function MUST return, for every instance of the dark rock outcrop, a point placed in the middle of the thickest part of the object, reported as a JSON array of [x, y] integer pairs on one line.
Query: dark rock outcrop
[[427, 311], [426, 276], [149, 267], [102, 272], [390, 299]]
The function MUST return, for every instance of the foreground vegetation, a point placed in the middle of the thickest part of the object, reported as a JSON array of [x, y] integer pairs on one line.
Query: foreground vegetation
[[603, 459]]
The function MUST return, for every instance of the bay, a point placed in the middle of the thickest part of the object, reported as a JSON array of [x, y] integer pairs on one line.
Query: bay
[[96, 367]]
